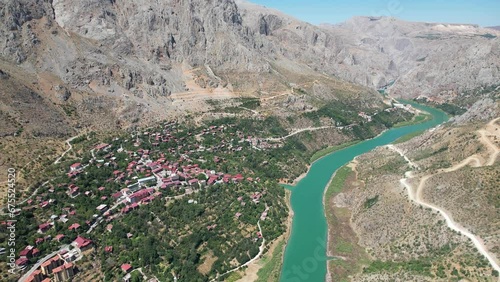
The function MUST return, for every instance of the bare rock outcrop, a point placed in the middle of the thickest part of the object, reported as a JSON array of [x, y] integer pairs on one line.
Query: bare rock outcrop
[[143, 52]]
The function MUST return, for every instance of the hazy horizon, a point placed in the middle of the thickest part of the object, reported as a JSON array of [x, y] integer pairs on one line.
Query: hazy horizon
[[482, 12]]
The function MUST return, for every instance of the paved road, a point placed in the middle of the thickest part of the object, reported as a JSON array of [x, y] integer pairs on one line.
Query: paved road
[[99, 219], [297, 131], [40, 261]]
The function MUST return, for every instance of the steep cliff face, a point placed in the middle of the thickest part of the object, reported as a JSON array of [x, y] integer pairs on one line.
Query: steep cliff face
[[194, 32], [411, 58], [421, 58], [151, 58]]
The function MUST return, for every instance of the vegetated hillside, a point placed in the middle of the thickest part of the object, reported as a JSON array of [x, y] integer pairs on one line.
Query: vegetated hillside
[[68, 67], [213, 198], [385, 236], [213, 186]]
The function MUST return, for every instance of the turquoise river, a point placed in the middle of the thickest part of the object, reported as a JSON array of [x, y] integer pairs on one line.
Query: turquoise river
[[305, 254]]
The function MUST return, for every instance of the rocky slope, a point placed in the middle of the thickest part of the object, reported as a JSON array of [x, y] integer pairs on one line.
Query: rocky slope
[[386, 235], [131, 56], [66, 66], [419, 58]]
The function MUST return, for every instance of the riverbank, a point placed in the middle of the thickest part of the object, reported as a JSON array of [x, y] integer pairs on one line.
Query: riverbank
[[318, 155], [321, 153], [307, 247], [268, 267], [342, 240], [285, 181]]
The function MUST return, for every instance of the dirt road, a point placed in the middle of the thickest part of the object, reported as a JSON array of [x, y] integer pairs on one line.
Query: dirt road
[[491, 129]]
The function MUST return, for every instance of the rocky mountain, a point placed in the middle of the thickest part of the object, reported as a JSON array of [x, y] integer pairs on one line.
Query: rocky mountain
[[419, 58], [412, 58], [115, 62]]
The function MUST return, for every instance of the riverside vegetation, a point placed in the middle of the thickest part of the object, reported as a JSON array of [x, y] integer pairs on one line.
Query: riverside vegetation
[[184, 231]]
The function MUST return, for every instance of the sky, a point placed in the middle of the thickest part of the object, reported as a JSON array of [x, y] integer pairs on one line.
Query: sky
[[482, 12]]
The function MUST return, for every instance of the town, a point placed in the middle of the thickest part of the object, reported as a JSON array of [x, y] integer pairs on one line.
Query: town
[[161, 167], [131, 205]]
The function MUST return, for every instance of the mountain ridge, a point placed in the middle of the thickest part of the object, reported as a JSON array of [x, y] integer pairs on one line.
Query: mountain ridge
[[130, 58]]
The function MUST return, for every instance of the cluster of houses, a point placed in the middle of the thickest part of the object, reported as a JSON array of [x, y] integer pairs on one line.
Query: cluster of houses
[[365, 116], [407, 107], [157, 175], [59, 267], [25, 254], [56, 268], [397, 106]]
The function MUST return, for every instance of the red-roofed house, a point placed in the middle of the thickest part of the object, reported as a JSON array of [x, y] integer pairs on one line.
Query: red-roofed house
[[139, 195], [237, 178], [64, 272], [73, 192], [101, 146], [82, 243], [50, 264], [26, 252], [36, 276], [75, 166], [117, 195], [36, 252], [126, 267], [42, 228], [74, 226], [22, 261], [212, 179]]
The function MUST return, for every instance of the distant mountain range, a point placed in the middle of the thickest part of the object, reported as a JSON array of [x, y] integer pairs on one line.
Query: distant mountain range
[[113, 62]]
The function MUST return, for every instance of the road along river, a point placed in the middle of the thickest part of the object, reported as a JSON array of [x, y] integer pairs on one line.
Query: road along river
[[305, 254]]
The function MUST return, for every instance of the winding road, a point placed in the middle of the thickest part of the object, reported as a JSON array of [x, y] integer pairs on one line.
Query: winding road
[[100, 218], [475, 161], [69, 149], [297, 131], [261, 251]]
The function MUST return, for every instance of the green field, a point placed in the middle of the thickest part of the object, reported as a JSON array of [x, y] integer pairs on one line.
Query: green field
[[408, 137], [343, 244], [416, 120], [337, 182], [321, 153], [272, 265]]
